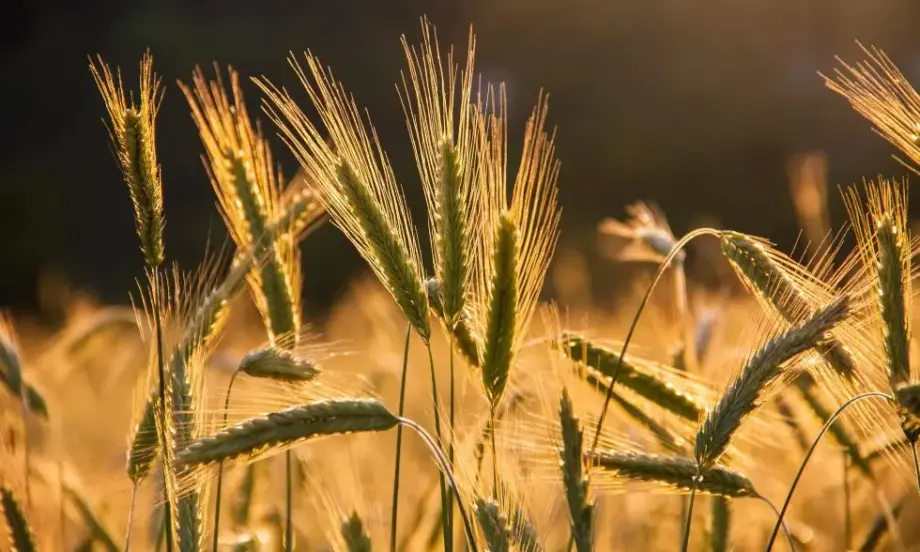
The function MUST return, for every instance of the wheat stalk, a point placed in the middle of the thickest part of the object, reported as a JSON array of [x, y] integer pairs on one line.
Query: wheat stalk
[[761, 374]]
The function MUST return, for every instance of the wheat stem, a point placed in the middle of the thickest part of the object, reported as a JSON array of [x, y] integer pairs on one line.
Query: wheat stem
[[632, 328], [450, 446], [220, 467], [437, 431], [814, 445], [288, 504], [445, 469], [847, 520], [776, 513], [394, 509], [130, 517], [686, 541], [163, 426]]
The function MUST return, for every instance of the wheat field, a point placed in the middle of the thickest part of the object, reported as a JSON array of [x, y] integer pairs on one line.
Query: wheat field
[[443, 402]]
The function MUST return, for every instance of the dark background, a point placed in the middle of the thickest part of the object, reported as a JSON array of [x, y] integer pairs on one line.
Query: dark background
[[697, 105]]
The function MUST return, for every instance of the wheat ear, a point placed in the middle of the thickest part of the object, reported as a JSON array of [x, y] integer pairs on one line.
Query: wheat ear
[[21, 538], [354, 535], [673, 472], [355, 183], [644, 383], [132, 130], [255, 436], [574, 475], [760, 375], [763, 272]]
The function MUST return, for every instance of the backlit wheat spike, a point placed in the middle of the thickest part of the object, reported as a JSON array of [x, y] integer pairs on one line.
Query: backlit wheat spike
[[767, 274], [647, 234], [355, 183], [465, 341], [132, 129], [279, 364], [878, 91], [493, 525], [444, 136], [908, 397], [11, 372], [881, 232], [671, 472], [644, 383], [256, 436], [574, 476], [518, 241], [246, 184], [354, 535], [762, 374], [19, 533]]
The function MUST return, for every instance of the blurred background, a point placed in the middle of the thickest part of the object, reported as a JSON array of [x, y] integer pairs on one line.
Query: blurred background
[[699, 106]]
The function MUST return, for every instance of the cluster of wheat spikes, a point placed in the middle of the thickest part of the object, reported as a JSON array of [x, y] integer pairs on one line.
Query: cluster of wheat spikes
[[519, 449]]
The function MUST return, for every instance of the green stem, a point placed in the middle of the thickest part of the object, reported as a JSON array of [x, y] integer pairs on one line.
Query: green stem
[[632, 328], [445, 470], [402, 398], [494, 454], [450, 448], [437, 432], [288, 513], [686, 541], [913, 449], [130, 517], [847, 521], [811, 450], [220, 467], [164, 441]]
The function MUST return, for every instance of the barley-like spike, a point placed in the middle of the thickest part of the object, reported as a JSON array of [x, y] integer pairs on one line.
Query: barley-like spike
[[354, 535], [604, 360], [444, 137], [908, 397], [464, 339], [891, 299], [574, 476], [498, 343], [493, 524], [254, 436], [401, 277], [764, 276], [355, 183], [34, 398], [720, 536], [674, 472], [279, 364], [761, 372], [133, 136], [21, 538]]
